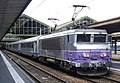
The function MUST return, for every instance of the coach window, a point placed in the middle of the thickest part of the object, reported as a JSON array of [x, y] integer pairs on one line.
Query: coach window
[[15, 46], [68, 38], [10, 46]]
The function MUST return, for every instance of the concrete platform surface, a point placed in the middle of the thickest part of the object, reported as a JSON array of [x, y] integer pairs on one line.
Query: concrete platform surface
[[10, 72]]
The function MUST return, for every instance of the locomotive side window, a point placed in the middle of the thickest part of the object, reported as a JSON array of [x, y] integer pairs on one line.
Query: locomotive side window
[[109, 39], [83, 37], [51, 43], [99, 38]]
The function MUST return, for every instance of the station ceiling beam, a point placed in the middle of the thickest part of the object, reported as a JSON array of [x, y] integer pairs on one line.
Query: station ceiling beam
[[10, 10], [111, 25]]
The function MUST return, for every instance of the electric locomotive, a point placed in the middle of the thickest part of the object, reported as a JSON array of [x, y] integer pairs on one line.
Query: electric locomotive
[[87, 51]]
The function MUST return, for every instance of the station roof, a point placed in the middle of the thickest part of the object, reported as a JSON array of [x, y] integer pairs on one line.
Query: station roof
[[111, 25], [10, 10]]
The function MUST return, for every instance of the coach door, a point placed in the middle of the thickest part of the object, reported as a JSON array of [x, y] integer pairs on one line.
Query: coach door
[[66, 42], [35, 47], [70, 42]]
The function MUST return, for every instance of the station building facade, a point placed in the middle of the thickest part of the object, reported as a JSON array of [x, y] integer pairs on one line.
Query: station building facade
[[26, 27]]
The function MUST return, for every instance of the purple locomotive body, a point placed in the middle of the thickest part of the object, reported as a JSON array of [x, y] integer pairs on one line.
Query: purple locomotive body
[[90, 63], [91, 54]]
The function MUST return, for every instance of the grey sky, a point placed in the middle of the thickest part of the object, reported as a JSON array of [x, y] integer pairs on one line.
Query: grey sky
[[63, 10]]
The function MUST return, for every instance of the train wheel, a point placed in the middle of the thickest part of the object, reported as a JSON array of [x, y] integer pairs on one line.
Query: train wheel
[[41, 59], [61, 64], [65, 65], [33, 57]]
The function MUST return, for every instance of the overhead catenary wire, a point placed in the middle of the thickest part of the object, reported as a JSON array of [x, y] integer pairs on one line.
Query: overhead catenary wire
[[38, 6]]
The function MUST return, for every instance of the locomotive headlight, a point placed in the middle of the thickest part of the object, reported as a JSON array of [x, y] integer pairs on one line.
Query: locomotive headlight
[[86, 55], [103, 55]]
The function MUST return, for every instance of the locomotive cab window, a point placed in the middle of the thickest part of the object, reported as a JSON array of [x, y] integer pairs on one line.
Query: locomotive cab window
[[83, 37], [99, 38]]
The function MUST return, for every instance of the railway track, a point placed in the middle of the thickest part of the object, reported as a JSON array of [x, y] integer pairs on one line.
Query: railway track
[[39, 75], [103, 79], [62, 76], [56, 76], [112, 77]]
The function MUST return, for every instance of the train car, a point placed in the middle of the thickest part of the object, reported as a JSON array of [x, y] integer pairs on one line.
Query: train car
[[14, 46], [86, 51], [29, 46], [25, 46]]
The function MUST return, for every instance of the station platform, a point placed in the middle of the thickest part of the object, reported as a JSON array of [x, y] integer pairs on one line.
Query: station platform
[[10, 72], [116, 56]]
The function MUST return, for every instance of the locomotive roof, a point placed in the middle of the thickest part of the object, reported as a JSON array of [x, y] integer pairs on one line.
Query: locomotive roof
[[13, 42], [32, 39], [74, 31]]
